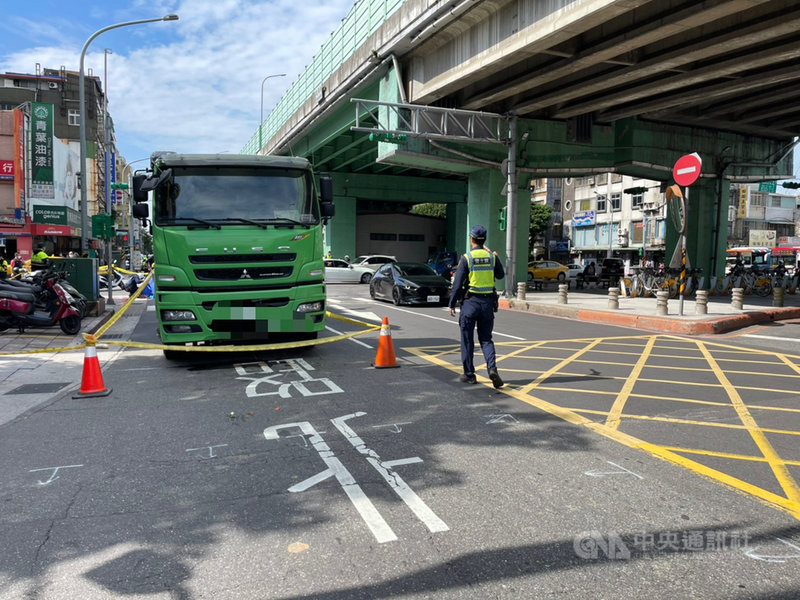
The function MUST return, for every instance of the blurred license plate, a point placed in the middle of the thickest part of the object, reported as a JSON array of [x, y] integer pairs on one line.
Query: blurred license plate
[[433, 298]]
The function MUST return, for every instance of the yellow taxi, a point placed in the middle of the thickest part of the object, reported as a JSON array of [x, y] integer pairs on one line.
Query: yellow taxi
[[547, 269]]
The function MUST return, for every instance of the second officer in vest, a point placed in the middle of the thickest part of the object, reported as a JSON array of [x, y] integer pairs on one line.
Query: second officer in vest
[[474, 282]]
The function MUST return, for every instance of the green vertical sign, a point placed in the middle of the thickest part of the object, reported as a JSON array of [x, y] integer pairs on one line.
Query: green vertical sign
[[42, 150]]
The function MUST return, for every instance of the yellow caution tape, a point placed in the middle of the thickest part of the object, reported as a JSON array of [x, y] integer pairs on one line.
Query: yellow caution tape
[[43, 350], [351, 321], [117, 315], [92, 339], [248, 348]]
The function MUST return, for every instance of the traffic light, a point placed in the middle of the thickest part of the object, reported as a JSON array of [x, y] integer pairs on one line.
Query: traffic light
[[634, 191], [392, 138], [502, 214], [791, 185]]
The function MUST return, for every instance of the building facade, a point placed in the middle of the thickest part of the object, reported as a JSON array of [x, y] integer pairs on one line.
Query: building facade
[[40, 152]]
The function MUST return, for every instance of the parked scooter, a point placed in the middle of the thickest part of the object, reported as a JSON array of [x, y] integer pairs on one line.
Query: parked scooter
[[80, 302], [22, 308]]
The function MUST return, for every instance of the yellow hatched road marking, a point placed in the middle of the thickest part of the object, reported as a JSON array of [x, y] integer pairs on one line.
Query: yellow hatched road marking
[[678, 421], [792, 365], [790, 504], [555, 369], [788, 484], [725, 455], [619, 404]]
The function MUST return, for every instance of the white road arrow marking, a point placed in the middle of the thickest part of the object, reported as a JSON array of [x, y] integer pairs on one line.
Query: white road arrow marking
[[623, 471], [775, 558]]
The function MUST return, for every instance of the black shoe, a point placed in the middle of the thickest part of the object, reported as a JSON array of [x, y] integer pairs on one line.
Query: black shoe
[[468, 379], [495, 377]]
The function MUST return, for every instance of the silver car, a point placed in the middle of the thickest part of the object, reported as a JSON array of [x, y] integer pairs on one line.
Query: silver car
[[373, 262], [340, 271]]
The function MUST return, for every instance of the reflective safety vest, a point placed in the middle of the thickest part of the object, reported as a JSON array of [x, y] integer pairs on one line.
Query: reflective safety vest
[[481, 271]]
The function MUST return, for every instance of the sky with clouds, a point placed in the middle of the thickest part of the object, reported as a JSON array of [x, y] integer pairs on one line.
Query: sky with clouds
[[192, 85]]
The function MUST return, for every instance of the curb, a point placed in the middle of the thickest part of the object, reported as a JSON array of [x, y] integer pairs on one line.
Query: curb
[[710, 326]]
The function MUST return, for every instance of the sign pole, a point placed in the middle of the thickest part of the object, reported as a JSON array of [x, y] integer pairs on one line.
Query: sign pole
[[685, 172]]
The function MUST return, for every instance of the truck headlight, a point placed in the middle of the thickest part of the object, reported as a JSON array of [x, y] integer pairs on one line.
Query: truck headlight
[[177, 315], [310, 307]]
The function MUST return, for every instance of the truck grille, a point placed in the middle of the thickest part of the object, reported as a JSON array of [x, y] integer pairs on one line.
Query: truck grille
[[219, 259], [254, 273]]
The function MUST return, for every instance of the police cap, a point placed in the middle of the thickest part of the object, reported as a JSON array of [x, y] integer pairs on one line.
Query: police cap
[[478, 232]]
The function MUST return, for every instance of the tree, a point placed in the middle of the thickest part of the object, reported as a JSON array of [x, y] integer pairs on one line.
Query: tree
[[430, 209], [540, 221]]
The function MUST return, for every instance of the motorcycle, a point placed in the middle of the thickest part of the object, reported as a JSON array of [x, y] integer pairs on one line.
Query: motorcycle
[[51, 305]]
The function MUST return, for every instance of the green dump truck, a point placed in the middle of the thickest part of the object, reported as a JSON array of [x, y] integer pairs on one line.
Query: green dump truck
[[237, 241]]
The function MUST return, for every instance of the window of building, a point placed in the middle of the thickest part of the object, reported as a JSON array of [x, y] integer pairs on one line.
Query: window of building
[[601, 203], [584, 205], [74, 117], [637, 200], [383, 237], [616, 201], [411, 237], [758, 199]]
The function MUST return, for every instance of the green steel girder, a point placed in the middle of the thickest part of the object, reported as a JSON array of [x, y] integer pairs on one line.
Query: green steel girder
[[398, 188]]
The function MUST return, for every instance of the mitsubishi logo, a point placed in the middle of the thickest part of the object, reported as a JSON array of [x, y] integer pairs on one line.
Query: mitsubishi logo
[[245, 274]]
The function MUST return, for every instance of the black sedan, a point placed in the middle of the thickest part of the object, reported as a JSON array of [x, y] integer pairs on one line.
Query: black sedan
[[409, 283]]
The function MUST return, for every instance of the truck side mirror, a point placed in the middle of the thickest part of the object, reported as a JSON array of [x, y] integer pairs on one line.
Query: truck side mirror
[[326, 190], [139, 195], [328, 209], [140, 211]]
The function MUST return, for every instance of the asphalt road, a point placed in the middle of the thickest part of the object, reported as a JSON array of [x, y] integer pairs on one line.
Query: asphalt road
[[616, 463]]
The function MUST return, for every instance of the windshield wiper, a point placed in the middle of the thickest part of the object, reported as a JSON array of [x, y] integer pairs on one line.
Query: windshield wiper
[[201, 221], [287, 221], [246, 221]]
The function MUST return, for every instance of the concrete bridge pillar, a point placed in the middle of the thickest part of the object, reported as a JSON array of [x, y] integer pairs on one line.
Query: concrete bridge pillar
[[706, 238], [484, 202], [340, 232]]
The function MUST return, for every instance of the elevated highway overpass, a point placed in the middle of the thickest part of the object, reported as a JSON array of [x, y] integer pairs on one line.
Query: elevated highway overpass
[[489, 93]]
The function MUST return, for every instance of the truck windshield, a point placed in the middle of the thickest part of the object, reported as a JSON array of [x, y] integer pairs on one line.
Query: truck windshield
[[237, 196]]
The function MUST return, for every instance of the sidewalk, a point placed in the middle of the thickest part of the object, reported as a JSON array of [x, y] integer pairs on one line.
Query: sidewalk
[[592, 305], [28, 379]]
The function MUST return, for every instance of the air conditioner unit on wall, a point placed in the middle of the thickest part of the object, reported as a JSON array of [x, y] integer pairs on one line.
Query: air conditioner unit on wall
[[591, 181]]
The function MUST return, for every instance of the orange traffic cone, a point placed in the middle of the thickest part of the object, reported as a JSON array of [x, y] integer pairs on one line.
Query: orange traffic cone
[[384, 358], [92, 385]]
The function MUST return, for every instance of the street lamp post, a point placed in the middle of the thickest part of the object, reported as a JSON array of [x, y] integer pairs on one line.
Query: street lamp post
[[82, 108], [261, 122], [127, 179], [106, 139]]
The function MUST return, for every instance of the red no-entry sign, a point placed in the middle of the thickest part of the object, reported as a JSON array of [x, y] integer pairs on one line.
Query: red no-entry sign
[[687, 169]]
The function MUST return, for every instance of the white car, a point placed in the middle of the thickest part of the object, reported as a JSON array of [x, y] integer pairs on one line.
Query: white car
[[340, 271], [373, 261], [574, 270]]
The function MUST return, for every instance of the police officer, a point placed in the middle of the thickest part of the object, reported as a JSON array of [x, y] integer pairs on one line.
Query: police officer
[[474, 282], [40, 256]]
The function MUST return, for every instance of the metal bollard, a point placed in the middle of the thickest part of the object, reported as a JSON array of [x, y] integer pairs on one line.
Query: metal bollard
[[613, 298], [737, 298], [701, 302], [777, 296], [562, 293], [521, 291], [662, 297]]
